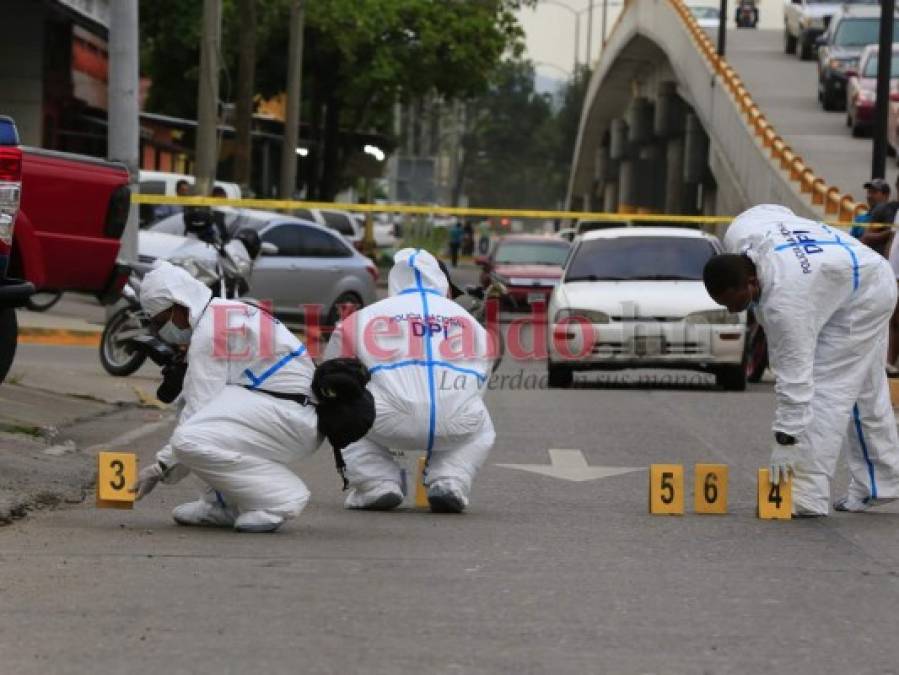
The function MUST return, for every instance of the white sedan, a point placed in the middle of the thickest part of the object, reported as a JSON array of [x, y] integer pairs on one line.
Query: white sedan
[[634, 298]]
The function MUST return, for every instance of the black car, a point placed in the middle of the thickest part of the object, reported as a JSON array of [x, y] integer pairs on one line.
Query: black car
[[848, 33]]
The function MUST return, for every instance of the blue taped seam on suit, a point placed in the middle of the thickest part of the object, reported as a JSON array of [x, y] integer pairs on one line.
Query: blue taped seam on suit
[[856, 417], [836, 242], [257, 381], [422, 362]]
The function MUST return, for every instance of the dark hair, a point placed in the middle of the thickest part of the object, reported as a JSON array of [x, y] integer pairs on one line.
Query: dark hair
[[219, 191], [724, 272]]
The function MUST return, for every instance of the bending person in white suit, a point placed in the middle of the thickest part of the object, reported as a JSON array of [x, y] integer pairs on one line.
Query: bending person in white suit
[[825, 302]]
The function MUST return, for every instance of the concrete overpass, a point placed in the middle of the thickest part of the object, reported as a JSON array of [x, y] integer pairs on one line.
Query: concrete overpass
[[669, 127]]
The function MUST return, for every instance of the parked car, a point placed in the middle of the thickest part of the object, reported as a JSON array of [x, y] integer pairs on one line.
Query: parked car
[[13, 292], [583, 226], [166, 183], [71, 218], [805, 20], [312, 266], [640, 292], [528, 265], [707, 16], [861, 89], [852, 29]]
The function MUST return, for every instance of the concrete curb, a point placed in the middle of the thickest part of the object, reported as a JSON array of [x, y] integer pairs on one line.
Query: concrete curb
[[29, 335]]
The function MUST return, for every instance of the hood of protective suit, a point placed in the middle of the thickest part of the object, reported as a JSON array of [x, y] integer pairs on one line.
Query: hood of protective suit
[[166, 285], [754, 223], [412, 264]]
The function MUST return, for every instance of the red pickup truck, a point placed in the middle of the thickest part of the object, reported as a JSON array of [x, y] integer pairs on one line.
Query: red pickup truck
[[69, 218]]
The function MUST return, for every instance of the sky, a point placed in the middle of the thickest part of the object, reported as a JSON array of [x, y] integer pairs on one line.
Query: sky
[[550, 31]]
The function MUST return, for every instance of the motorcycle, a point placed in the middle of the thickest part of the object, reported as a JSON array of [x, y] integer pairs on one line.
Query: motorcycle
[[224, 265]]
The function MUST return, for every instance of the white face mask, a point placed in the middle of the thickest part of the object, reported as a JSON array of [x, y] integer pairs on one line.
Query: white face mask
[[174, 335]]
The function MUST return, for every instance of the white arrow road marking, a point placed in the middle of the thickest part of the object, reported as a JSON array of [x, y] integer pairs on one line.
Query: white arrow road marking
[[572, 465]]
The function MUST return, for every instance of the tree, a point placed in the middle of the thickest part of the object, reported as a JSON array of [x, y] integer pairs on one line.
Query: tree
[[361, 56]]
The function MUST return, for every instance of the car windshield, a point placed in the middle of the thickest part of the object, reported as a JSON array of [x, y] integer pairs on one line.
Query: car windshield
[[860, 32], [870, 69], [705, 12], [531, 253], [640, 258]]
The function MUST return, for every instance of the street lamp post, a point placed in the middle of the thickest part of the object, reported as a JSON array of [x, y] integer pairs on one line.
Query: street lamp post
[[882, 97], [576, 13]]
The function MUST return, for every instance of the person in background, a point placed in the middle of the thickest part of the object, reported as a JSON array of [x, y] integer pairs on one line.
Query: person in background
[[484, 237], [455, 242], [883, 211], [877, 191]]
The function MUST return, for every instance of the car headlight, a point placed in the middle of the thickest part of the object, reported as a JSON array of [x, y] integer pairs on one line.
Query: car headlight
[[713, 316], [588, 315]]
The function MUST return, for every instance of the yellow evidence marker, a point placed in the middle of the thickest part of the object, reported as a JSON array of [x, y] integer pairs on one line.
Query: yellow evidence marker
[[666, 489], [116, 475], [775, 501], [421, 492], [710, 488]]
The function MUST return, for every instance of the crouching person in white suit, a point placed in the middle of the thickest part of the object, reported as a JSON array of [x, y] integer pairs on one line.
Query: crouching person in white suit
[[429, 364], [247, 407]]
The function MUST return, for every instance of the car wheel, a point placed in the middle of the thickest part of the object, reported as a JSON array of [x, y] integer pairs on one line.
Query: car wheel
[[804, 48], [43, 300], [848, 120], [731, 378], [789, 42], [891, 151], [9, 333], [857, 130], [336, 312], [560, 377], [829, 99]]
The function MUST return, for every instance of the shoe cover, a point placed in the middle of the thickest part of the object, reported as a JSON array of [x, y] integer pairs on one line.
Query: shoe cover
[[382, 496], [258, 521], [203, 513], [446, 497], [856, 505]]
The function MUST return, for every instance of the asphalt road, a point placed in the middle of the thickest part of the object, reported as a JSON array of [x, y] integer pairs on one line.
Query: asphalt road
[[542, 575], [785, 89]]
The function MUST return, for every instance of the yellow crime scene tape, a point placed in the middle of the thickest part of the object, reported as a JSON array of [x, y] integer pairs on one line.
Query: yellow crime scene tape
[[290, 204]]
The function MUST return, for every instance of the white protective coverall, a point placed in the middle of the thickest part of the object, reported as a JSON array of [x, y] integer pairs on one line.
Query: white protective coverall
[[231, 434], [825, 305], [429, 365]]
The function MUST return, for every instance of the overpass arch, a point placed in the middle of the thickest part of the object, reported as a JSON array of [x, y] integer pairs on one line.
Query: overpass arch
[[708, 149]]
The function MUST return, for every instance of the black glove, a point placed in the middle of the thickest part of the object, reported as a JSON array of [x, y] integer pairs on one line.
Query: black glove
[[172, 381]]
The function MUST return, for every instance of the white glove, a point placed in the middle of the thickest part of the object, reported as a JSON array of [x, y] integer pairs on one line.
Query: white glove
[[783, 461], [147, 479]]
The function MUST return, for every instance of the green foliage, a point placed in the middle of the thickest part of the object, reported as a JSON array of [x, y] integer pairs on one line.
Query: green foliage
[[519, 150]]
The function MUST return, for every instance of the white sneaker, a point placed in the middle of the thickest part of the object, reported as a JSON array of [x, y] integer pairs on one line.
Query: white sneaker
[[258, 521], [203, 513], [856, 505]]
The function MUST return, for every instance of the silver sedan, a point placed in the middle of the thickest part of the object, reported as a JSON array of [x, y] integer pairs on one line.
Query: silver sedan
[[307, 266]]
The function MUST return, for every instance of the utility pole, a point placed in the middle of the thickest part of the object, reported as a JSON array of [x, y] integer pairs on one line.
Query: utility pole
[[605, 14], [292, 114], [589, 59], [722, 27], [246, 70], [208, 98], [882, 101], [122, 145]]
